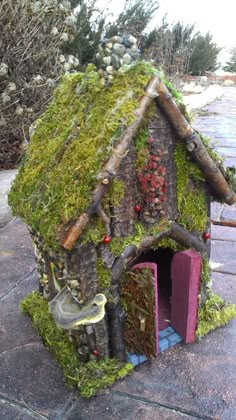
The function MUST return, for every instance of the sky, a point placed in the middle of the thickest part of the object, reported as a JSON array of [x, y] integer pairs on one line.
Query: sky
[[214, 16]]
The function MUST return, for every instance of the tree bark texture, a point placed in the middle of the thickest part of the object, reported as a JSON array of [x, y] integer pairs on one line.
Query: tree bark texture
[[163, 140], [123, 215]]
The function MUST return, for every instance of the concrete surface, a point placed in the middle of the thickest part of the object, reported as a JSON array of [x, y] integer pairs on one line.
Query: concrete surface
[[196, 381]]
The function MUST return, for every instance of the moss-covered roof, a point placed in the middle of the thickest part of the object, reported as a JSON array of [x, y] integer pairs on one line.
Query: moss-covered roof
[[71, 142]]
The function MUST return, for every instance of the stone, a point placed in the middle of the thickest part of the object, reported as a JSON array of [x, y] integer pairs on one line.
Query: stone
[[109, 45], [107, 51], [116, 39], [119, 49], [107, 60], [127, 59], [6, 179], [115, 61], [109, 70]]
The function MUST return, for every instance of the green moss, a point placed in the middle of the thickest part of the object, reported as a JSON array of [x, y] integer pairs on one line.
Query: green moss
[[89, 377], [71, 142], [142, 149], [95, 232], [213, 314], [104, 276], [115, 193], [206, 271], [178, 97], [118, 244], [207, 141], [191, 198]]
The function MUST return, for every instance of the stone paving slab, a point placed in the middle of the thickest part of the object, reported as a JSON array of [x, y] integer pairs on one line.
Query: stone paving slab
[[123, 406], [16, 412], [224, 285], [229, 213], [216, 210], [223, 233], [224, 253], [226, 151]]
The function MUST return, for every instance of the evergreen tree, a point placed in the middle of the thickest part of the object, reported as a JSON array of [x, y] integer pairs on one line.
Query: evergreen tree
[[90, 27], [133, 19], [231, 65], [203, 55]]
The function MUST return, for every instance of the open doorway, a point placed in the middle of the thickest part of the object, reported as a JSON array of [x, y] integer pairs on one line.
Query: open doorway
[[175, 282], [163, 258]]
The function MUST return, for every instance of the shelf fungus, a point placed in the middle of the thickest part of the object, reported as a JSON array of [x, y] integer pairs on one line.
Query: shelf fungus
[[70, 315]]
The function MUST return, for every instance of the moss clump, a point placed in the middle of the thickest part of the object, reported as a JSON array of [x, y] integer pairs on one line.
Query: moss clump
[[118, 244], [104, 276], [191, 198], [71, 142], [213, 314], [95, 232], [89, 377], [115, 194]]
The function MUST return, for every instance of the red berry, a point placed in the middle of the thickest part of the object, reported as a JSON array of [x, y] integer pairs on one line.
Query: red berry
[[106, 239], [206, 235], [150, 140], [96, 352], [137, 208]]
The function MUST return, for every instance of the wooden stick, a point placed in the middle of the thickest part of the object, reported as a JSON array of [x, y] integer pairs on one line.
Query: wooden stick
[[194, 145], [229, 223], [111, 167], [182, 236]]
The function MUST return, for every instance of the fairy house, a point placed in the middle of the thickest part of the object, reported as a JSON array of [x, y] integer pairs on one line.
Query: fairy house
[[116, 189]]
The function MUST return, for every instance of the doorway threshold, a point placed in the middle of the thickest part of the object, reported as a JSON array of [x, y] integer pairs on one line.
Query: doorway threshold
[[167, 338]]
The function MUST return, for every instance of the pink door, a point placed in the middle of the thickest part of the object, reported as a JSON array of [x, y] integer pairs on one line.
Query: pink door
[[185, 276]]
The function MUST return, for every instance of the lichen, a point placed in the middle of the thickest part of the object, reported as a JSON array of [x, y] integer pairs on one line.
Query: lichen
[[71, 142], [90, 377], [213, 314], [191, 195]]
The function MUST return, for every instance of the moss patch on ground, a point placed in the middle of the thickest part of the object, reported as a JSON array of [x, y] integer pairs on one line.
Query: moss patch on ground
[[70, 145], [89, 377], [213, 314]]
